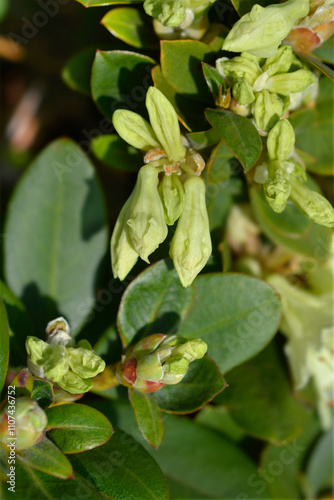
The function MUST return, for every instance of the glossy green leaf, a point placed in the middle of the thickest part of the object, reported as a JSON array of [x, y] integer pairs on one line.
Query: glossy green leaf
[[239, 134], [319, 469], [132, 26], [154, 302], [77, 71], [19, 324], [116, 153], [219, 199], [123, 470], [76, 428], [259, 398], [280, 465], [219, 166], [326, 51], [237, 321], [214, 80], [109, 345], [148, 417], [291, 228], [181, 66], [56, 236], [32, 484], [219, 419], [42, 393], [120, 79], [47, 457], [202, 383], [4, 344], [244, 6], [205, 139]]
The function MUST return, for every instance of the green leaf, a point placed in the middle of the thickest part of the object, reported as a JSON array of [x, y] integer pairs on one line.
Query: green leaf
[[181, 66], [4, 344], [214, 80], [116, 153], [259, 398], [291, 228], [326, 51], [148, 417], [219, 419], [32, 484], [205, 139], [319, 469], [46, 457], [219, 166], [120, 80], [318, 65], [42, 393], [123, 470], [19, 325], [237, 321], [132, 26], [56, 236], [202, 383], [76, 428], [154, 302], [99, 3], [77, 71], [239, 134]]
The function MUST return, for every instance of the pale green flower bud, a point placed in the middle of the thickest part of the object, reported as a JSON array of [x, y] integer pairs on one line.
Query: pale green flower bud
[[167, 12], [280, 62], [172, 195], [267, 110], [174, 370], [191, 349], [30, 422], [281, 141], [191, 244], [135, 130], [123, 254], [150, 368], [262, 30], [297, 171], [289, 83], [73, 383], [277, 187], [242, 92], [58, 332], [147, 226], [239, 67], [165, 124], [84, 362], [312, 204]]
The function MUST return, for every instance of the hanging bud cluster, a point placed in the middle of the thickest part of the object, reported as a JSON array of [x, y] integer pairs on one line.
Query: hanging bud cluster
[[71, 366], [267, 88], [286, 178], [168, 188], [158, 360]]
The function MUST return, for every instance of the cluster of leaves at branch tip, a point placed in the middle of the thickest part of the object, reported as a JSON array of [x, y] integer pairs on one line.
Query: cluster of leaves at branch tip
[[168, 188], [30, 422], [71, 366], [158, 360]]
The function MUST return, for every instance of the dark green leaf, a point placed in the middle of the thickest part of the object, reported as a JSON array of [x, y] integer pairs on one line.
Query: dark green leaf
[[109, 345], [132, 26], [326, 51], [120, 80], [155, 302], [148, 417], [116, 153], [77, 71], [4, 344], [123, 470], [205, 139], [76, 428], [319, 469], [56, 236], [99, 3], [42, 393], [260, 401], [291, 228], [239, 134], [202, 383], [46, 457], [219, 166], [236, 321], [213, 79], [318, 65], [219, 419]]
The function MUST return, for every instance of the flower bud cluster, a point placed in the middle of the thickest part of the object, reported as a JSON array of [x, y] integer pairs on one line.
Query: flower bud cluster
[[168, 189], [158, 360], [267, 88], [60, 361]]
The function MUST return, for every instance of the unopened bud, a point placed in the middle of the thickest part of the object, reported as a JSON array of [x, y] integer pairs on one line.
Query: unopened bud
[[267, 110], [239, 67], [280, 62], [277, 187], [134, 130], [281, 140], [147, 226], [191, 244], [172, 195], [242, 91], [312, 204], [290, 83], [262, 30]]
